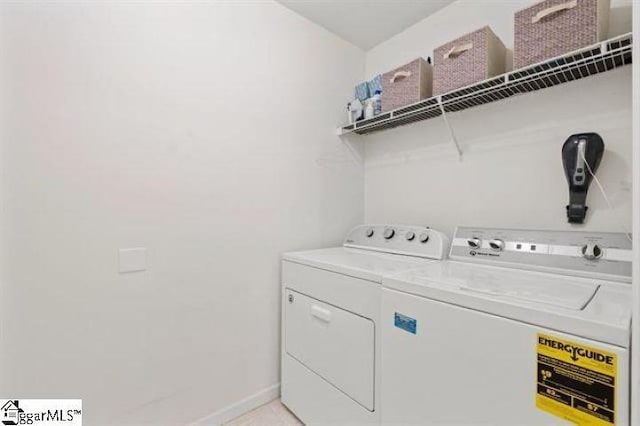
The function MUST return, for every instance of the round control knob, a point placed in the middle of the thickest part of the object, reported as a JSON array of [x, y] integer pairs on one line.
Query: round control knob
[[474, 243], [369, 232], [389, 233], [591, 251], [424, 237], [496, 244], [410, 235]]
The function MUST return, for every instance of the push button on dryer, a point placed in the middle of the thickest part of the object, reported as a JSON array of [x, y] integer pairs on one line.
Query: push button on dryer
[[389, 233]]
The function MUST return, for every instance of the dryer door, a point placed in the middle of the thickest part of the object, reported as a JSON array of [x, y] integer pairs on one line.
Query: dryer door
[[335, 344]]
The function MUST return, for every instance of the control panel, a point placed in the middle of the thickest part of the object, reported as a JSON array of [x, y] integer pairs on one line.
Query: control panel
[[407, 240], [592, 254]]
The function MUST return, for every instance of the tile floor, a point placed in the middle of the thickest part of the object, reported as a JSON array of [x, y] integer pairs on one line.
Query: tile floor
[[270, 414]]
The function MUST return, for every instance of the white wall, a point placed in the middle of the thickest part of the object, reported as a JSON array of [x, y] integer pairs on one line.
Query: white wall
[[635, 326], [511, 173], [203, 131]]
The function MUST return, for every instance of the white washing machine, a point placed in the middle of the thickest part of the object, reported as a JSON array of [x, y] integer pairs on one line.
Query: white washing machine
[[518, 327], [330, 310]]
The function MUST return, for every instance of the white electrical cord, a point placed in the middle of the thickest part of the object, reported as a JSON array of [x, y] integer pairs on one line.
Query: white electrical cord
[[604, 195]]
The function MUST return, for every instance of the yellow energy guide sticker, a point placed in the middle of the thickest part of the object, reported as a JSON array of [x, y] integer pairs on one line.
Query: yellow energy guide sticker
[[576, 382]]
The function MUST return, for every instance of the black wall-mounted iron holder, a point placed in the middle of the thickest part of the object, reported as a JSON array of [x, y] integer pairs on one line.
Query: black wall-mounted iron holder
[[581, 155]]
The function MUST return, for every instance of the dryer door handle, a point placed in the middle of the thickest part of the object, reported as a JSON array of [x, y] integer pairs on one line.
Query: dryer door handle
[[321, 313]]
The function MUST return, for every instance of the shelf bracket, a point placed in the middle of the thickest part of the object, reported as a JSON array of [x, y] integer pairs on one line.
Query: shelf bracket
[[449, 128]]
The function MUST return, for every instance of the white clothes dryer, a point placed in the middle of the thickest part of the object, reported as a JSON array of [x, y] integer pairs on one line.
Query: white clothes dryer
[[330, 310]]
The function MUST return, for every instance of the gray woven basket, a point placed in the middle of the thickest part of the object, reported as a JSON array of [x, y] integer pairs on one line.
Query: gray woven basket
[[407, 84], [555, 27], [471, 58]]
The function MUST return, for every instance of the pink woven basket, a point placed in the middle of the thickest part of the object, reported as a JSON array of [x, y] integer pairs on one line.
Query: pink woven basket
[[469, 59], [406, 85], [555, 27]]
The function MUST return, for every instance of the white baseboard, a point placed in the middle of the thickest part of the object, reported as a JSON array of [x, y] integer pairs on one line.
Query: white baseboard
[[240, 407]]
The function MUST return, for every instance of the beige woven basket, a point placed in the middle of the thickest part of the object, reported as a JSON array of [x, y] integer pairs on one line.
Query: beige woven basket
[[555, 27], [471, 58], [406, 85]]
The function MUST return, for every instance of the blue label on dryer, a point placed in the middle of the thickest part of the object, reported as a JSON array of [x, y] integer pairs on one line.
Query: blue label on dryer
[[406, 323]]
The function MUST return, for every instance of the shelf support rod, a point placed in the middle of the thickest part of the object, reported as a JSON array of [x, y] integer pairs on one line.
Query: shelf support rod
[[449, 128]]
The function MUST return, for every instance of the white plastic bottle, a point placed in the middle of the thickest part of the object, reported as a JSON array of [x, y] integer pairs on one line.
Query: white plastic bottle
[[377, 103], [368, 112]]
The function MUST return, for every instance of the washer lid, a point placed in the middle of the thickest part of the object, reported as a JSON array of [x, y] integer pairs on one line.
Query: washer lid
[[556, 290], [593, 309]]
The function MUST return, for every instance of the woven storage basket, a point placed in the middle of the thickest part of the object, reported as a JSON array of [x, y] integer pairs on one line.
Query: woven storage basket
[[555, 27], [469, 59], [406, 85]]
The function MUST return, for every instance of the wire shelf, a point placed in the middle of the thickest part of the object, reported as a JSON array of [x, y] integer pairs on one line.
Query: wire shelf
[[603, 57]]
